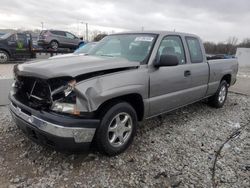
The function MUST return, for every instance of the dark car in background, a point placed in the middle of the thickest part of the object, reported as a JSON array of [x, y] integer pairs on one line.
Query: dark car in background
[[58, 39]]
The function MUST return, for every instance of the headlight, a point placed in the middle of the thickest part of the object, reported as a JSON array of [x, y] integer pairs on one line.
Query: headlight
[[65, 108], [65, 99], [63, 91]]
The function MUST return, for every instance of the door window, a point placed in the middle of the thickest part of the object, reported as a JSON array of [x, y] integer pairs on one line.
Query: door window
[[60, 33], [172, 45], [70, 36], [21, 37], [12, 38], [194, 50]]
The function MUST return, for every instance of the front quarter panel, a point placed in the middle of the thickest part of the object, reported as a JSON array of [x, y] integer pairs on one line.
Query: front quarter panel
[[93, 92]]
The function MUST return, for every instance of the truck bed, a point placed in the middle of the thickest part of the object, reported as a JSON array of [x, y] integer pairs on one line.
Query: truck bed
[[219, 68]]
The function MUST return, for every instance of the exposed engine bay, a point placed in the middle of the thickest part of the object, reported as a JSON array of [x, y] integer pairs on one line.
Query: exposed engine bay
[[46, 94]]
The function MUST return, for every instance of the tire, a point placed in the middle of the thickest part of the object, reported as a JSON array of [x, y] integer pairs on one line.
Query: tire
[[4, 57], [219, 98], [113, 136], [54, 45]]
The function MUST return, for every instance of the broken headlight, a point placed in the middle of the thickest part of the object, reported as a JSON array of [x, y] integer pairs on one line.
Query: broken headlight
[[64, 99]]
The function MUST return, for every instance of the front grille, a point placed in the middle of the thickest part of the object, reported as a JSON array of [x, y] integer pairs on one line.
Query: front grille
[[34, 92], [37, 93]]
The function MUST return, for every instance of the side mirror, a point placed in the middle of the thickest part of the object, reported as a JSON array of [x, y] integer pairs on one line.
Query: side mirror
[[167, 60]]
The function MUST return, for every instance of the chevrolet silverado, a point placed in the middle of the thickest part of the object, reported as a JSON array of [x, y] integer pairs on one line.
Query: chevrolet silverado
[[67, 103]]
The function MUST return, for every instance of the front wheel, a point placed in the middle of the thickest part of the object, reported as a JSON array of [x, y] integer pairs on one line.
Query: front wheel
[[220, 96], [4, 57], [117, 129]]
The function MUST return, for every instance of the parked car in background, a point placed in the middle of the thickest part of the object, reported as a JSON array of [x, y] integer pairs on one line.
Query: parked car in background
[[80, 51], [66, 103], [58, 39]]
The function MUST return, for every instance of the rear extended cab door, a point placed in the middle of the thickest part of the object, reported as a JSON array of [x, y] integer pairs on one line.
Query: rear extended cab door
[[199, 68]]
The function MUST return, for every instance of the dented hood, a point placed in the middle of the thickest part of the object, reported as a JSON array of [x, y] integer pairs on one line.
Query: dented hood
[[72, 66]]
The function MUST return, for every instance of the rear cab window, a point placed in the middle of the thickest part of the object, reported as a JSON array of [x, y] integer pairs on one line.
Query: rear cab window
[[194, 48]]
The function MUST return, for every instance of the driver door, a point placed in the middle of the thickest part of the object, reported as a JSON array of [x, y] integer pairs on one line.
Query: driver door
[[169, 86]]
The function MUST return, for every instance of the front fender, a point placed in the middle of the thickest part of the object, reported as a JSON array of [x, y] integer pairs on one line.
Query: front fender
[[94, 92]]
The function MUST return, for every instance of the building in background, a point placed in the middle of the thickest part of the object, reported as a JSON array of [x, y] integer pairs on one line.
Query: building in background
[[243, 56]]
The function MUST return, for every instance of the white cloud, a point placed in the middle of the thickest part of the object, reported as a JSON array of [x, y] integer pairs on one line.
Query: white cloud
[[213, 20]]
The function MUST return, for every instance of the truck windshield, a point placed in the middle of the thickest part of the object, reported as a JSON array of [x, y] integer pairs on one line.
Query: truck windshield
[[85, 49], [133, 47], [5, 36]]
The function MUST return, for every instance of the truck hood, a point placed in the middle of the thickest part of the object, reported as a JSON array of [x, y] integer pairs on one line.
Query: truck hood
[[67, 55], [72, 66]]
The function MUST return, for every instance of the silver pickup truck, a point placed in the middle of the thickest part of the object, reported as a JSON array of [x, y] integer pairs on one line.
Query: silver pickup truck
[[67, 103]]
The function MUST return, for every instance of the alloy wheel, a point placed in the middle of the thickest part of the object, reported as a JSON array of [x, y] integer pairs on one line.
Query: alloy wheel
[[120, 129]]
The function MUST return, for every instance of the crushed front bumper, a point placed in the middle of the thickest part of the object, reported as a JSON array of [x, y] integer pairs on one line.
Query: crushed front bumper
[[63, 133]]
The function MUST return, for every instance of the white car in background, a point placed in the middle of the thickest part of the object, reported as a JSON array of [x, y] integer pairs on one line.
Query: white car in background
[[80, 51]]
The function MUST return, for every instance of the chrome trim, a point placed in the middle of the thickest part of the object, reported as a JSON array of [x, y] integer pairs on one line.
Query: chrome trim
[[80, 135]]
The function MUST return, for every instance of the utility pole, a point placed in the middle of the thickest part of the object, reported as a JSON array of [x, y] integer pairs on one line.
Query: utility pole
[[78, 28], [142, 28], [87, 31], [42, 24]]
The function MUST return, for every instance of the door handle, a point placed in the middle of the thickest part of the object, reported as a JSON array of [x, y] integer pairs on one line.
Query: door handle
[[187, 73]]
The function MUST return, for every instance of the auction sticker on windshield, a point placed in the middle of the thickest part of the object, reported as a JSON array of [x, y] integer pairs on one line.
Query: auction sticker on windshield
[[144, 39]]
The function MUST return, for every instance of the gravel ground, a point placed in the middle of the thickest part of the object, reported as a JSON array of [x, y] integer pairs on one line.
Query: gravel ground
[[196, 146]]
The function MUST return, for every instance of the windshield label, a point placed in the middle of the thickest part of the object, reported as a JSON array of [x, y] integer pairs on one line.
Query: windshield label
[[144, 39]]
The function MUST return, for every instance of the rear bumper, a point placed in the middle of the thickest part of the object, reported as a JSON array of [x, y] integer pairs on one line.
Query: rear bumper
[[60, 132]]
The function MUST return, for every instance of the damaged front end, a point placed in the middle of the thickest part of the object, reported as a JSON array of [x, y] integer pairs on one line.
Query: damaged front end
[[55, 94], [45, 110]]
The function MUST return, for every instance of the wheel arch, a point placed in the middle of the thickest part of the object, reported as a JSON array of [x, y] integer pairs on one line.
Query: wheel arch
[[2, 49], [134, 99], [227, 78], [54, 40]]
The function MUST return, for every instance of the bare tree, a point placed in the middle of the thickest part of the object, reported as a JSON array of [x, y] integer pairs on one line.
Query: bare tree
[[228, 47], [231, 45], [245, 43]]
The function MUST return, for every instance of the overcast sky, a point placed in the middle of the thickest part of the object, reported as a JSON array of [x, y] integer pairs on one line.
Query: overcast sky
[[213, 20]]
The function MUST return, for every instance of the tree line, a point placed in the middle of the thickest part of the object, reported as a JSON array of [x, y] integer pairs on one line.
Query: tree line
[[229, 47]]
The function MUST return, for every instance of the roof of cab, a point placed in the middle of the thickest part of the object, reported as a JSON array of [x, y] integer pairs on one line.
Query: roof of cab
[[159, 32]]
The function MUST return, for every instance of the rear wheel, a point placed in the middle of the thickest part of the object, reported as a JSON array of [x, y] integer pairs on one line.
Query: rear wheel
[[117, 129], [220, 96], [4, 57], [54, 45]]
